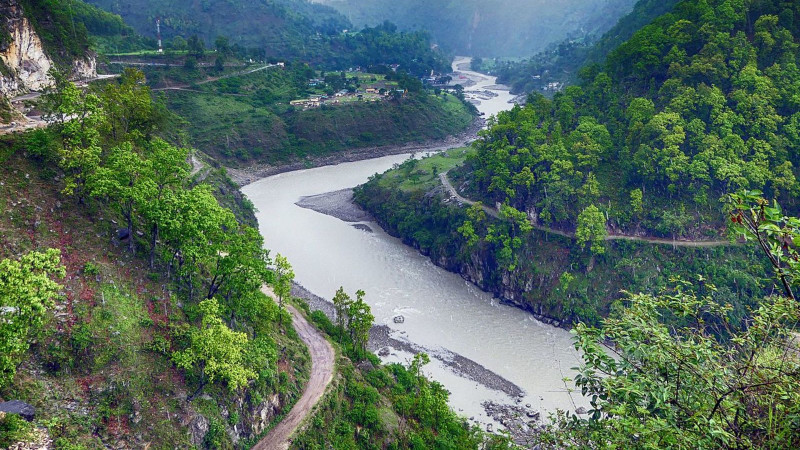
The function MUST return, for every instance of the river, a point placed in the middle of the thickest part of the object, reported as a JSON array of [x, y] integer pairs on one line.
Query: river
[[443, 314]]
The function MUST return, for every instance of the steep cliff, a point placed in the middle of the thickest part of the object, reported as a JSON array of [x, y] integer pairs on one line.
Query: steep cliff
[[24, 62]]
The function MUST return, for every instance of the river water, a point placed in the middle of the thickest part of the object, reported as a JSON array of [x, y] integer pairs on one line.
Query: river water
[[443, 313]]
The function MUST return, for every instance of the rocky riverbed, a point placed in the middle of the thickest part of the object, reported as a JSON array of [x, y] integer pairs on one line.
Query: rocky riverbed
[[383, 343]]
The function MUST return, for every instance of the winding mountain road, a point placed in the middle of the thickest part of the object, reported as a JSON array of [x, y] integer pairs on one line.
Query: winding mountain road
[[322, 367], [610, 237]]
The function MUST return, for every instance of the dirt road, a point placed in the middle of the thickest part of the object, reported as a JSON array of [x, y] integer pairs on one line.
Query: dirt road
[[322, 366], [610, 237], [184, 87]]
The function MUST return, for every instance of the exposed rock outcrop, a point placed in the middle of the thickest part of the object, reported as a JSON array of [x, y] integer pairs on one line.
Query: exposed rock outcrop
[[24, 63]]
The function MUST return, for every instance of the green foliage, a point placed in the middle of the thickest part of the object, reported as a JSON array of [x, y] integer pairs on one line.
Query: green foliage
[[708, 383], [684, 372], [293, 29], [561, 61], [592, 229], [282, 279], [216, 351], [13, 429], [260, 127], [422, 219], [353, 322], [690, 108], [27, 291]]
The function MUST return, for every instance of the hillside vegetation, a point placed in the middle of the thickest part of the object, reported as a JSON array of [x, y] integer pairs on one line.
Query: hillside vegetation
[[289, 29], [157, 331], [693, 107], [69, 29], [248, 119]]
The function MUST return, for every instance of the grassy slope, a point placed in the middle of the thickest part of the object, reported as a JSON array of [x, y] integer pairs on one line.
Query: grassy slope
[[100, 374], [236, 132]]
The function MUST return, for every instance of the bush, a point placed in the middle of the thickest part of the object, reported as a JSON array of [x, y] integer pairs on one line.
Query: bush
[[13, 429]]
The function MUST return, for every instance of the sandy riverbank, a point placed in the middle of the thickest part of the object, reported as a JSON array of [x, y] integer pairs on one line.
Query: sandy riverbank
[[338, 204]]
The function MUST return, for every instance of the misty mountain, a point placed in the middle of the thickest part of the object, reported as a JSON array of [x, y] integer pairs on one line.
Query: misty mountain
[[561, 61], [490, 27], [280, 26]]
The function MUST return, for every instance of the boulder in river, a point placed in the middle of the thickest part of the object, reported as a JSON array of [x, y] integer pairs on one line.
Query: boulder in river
[[399, 319]]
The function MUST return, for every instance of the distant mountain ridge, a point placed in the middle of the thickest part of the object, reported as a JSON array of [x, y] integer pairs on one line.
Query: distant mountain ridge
[[560, 63], [507, 28], [280, 27]]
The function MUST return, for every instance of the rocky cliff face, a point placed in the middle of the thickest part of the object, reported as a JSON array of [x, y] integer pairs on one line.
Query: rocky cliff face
[[24, 64]]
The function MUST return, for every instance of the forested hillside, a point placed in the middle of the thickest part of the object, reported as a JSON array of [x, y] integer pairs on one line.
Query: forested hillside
[[697, 105], [512, 28], [154, 294], [282, 29], [70, 28], [277, 26], [561, 61]]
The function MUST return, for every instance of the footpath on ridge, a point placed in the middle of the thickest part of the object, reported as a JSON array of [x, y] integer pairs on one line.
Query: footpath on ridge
[[610, 237]]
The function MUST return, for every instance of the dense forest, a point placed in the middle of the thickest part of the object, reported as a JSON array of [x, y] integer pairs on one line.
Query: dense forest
[[511, 28], [696, 105], [283, 29]]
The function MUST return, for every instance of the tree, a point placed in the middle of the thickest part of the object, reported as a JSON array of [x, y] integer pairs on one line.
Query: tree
[[120, 182], [130, 112], [592, 229], [77, 117], [216, 351], [179, 43], [222, 44], [283, 277], [359, 323], [636, 201], [683, 373], [196, 46], [27, 290], [168, 172], [341, 303]]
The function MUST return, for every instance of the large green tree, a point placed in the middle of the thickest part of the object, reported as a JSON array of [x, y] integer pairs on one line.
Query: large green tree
[[215, 351]]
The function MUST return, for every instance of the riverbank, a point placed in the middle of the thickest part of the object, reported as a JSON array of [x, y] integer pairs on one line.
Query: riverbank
[[250, 174], [382, 342], [337, 204]]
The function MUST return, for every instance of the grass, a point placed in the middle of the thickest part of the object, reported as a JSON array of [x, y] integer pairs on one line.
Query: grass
[[423, 174]]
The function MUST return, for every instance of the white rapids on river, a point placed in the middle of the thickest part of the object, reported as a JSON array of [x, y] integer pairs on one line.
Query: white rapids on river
[[443, 313]]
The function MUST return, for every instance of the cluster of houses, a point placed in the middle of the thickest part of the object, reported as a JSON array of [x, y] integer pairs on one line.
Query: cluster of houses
[[374, 92]]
